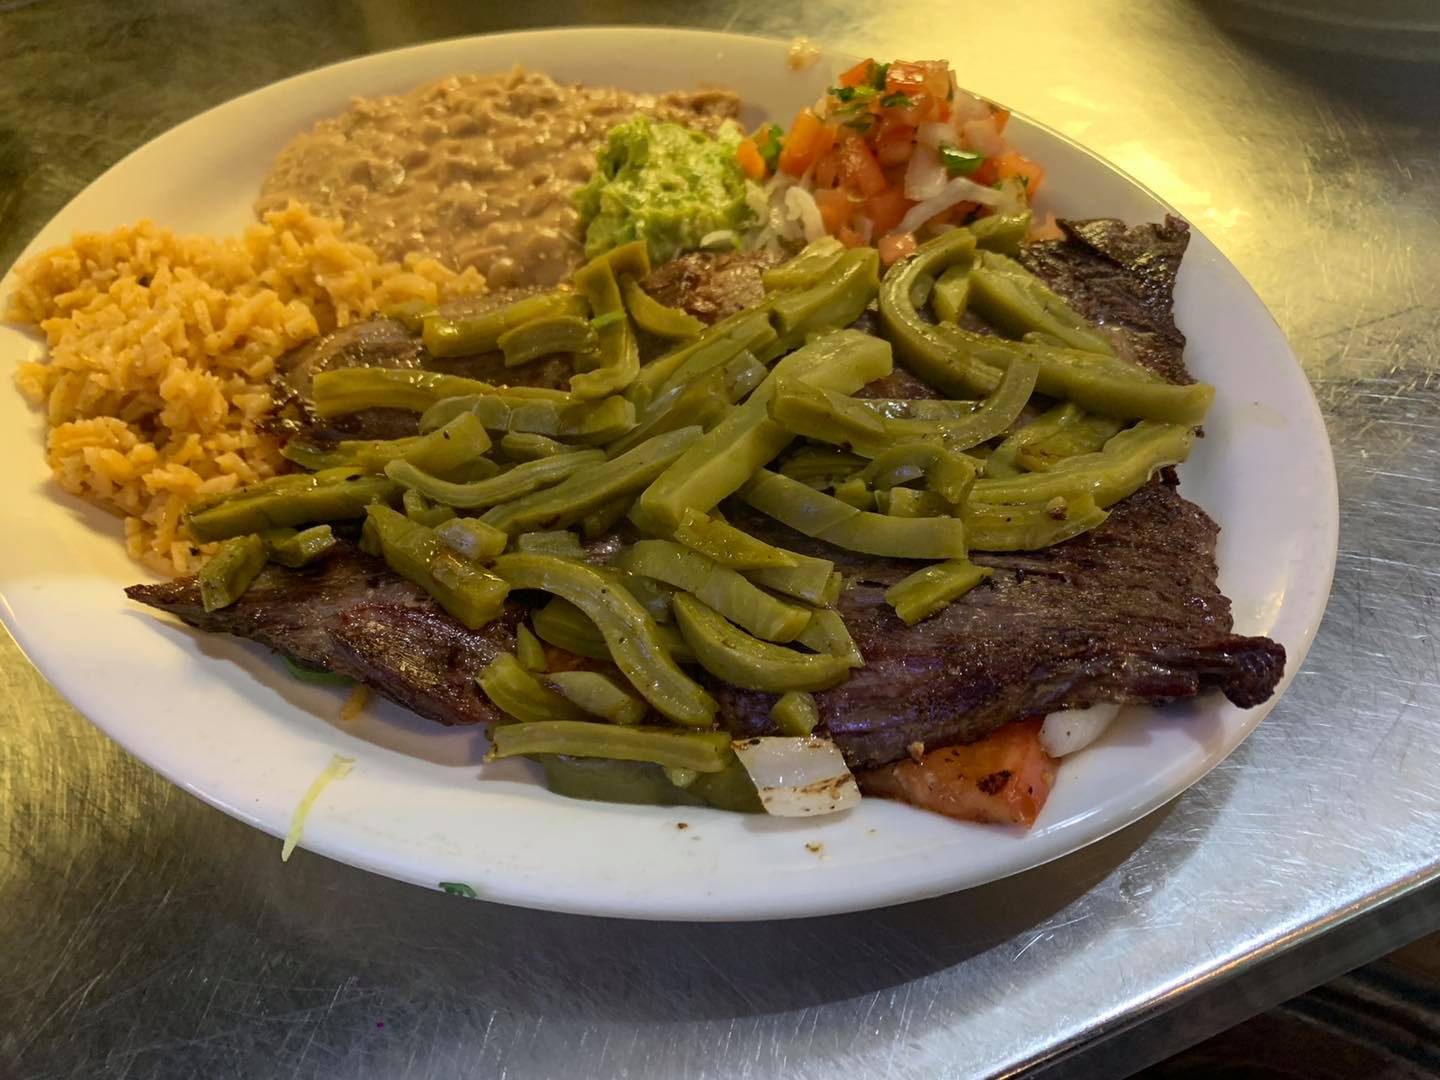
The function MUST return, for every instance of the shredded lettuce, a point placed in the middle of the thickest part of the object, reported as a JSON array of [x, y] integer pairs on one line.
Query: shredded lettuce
[[338, 769]]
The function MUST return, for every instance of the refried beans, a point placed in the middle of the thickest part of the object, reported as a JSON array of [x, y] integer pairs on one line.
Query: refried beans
[[474, 170]]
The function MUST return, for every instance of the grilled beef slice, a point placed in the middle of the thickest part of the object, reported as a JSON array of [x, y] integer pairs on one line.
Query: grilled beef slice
[[351, 614], [387, 343], [708, 286], [1123, 277], [1128, 613]]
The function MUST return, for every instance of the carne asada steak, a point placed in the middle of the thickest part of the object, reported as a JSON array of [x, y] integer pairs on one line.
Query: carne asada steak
[[711, 286], [1122, 277], [351, 614], [708, 286], [1129, 613], [385, 342]]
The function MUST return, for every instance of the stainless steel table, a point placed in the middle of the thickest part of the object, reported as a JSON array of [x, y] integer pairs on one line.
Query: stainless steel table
[[145, 935]]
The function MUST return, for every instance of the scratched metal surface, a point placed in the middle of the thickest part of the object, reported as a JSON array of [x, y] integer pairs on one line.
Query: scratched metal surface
[[145, 935]]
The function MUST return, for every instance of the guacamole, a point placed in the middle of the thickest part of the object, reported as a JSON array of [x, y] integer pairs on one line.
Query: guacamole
[[664, 184]]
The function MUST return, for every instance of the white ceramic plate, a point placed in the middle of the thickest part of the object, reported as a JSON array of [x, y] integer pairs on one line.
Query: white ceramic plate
[[221, 718]]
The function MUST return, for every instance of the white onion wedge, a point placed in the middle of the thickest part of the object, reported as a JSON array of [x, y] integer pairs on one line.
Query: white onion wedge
[[720, 238], [935, 132], [982, 136], [1070, 730], [800, 205], [925, 176], [965, 107], [798, 777], [957, 190]]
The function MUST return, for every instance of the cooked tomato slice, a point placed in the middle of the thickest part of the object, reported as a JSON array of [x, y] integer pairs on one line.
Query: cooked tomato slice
[[1003, 779]]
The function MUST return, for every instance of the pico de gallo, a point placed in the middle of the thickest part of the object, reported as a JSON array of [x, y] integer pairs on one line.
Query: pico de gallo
[[893, 153]]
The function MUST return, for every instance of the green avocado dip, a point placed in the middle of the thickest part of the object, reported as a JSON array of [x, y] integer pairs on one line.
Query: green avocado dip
[[664, 184]]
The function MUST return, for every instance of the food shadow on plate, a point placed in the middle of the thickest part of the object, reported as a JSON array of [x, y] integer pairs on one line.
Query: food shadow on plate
[[93, 519], [244, 666]]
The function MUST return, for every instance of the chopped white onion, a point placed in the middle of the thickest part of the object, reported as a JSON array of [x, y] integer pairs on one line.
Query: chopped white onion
[[779, 182], [798, 777], [925, 176], [982, 137], [1074, 729], [800, 205], [965, 107], [757, 199], [1012, 197], [957, 190], [720, 238], [935, 132]]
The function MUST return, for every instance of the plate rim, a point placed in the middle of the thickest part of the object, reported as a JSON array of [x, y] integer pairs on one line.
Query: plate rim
[[1319, 584]]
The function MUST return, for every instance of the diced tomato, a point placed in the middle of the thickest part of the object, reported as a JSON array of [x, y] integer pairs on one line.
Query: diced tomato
[[985, 175], [937, 78], [913, 78], [1013, 163], [858, 75], [849, 237], [894, 142], [1049, 229], [1004, 778], [921, 109], [905, 77], [1001, 118], [886, 209], [748, 155], [858, 168], [835, 208], [896, 246], [827, 169], [808, 139]]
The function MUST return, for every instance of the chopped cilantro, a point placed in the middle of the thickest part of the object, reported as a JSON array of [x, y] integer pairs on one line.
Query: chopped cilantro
[[895, 101], [853, 97], [861, 123], [878, 74], [959, 162], [769, 140], [459, 888]]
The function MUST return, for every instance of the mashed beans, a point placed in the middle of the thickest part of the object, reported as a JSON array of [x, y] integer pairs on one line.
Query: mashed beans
[[476, 170]]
